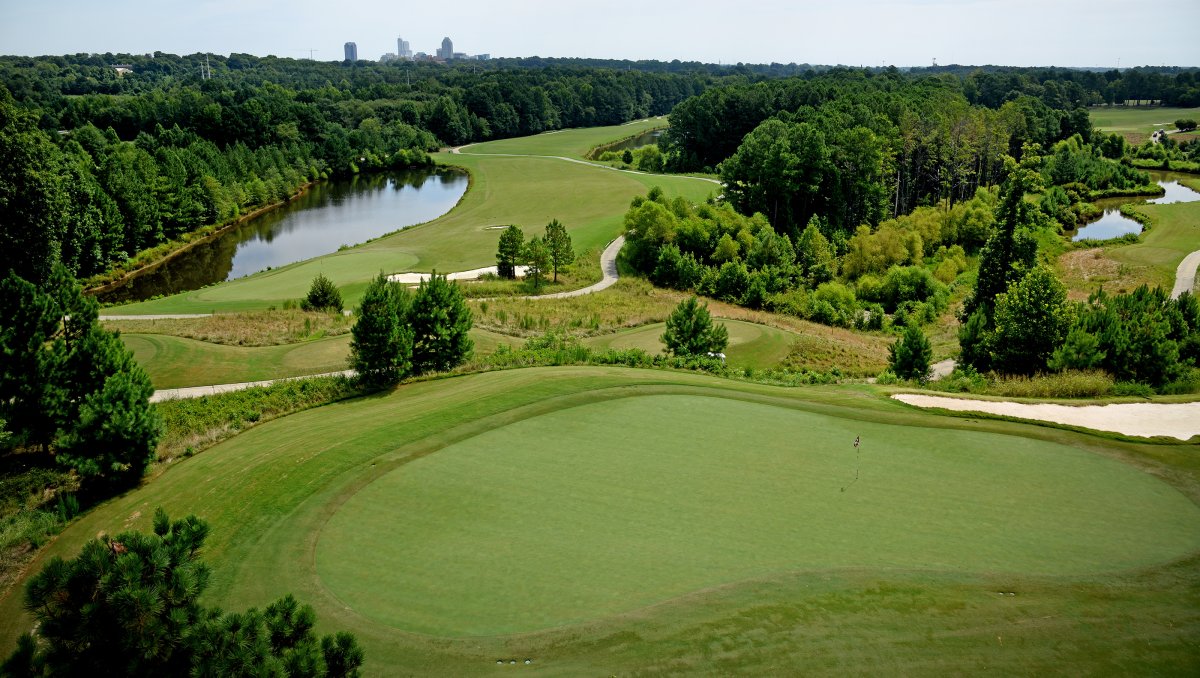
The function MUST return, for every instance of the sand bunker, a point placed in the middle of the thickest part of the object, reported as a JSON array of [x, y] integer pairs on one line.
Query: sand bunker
[[1175, 420], [416, 278]]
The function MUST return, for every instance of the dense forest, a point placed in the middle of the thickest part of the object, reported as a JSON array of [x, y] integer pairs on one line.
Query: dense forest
[[99, 166]]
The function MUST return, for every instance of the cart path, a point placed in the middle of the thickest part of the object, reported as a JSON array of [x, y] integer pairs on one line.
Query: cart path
[[1185, 275]]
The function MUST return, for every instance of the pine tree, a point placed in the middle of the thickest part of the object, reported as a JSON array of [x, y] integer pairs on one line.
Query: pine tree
[[537, 260], [381, 339], [322, 296], [509, 252], [910, 356], [692, 332], [558, 241], [440, 322], [129, 606]]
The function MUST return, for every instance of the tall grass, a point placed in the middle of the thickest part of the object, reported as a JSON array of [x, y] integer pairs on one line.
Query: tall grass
[[194, 424]]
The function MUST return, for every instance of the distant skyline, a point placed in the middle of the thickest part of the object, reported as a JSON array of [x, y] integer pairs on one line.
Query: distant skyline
[[862, 32]]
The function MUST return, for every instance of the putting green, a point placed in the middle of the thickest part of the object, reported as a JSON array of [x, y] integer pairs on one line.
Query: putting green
[[611, 506], [750, 344]]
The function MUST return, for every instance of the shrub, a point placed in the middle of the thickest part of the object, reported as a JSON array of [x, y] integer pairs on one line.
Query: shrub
[[322, 296]]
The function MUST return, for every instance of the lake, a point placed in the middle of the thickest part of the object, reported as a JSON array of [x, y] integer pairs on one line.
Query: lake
[[1113, 224], [327, 216]]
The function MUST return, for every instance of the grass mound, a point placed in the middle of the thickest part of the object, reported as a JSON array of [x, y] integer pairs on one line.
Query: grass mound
[[607, 507]]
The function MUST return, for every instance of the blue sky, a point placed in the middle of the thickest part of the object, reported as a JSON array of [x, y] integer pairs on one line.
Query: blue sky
[[859, 32]]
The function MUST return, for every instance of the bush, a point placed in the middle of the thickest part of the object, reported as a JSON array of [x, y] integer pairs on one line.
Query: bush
[[322, 296]]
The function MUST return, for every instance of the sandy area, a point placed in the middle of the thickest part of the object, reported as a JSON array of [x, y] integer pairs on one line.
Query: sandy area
[[1175, 420], [416, 278]]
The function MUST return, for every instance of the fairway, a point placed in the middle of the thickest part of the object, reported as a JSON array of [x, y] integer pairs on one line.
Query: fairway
[[177, 362], [528, 191], [1139, 119], [635, 519], [750, 344]]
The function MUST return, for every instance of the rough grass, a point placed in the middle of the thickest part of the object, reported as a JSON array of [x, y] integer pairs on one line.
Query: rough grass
[[176, 362], [1174, 232], [750, 345], [634, 302], [529, 192], [269, 491], [258, 328]]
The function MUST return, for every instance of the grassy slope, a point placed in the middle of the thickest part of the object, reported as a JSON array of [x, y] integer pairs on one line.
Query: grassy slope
[[750, 344], [268, 492], [573, 143], [530, 192], [175, 362], [1174, 232], [1134, 119], [566, 517]]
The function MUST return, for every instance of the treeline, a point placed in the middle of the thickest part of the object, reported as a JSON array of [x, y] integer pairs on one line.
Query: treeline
[[100, 166], [854, 147]]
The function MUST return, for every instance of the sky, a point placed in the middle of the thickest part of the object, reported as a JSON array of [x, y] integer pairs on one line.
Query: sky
[[1106, 33]]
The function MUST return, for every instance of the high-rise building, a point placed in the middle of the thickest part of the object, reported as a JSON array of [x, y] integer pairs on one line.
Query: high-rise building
[[447, 50], [402, 49], [351, 51]]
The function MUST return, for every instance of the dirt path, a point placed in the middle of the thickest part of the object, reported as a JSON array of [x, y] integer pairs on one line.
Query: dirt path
[[1185, 275], [1144, 420]]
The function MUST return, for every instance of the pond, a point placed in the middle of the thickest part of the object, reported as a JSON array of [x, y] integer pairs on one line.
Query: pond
[[327, 216], [643, 139], [1113, 224]]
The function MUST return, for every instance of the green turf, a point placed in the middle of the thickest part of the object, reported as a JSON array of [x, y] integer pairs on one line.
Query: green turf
[[175, 362], [574, 143], [1174, 232], [590, 201], [270, 492], [605, 508], [1139, 119], [750, 344]]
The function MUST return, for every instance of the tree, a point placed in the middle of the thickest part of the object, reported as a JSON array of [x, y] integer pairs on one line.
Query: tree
[[1011, 250], [814, 255], [381, 339], [322, 296], [1185, 124], [537, 259], [509, 251], [440, 321], [129, 606], [1031, 321], [69, 385], [691, 331], [909, 357], [558, 241]]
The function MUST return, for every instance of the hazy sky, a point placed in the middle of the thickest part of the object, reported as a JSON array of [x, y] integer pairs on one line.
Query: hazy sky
[[857, 32]]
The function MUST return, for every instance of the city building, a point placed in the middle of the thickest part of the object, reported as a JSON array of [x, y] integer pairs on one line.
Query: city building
[[447, 50], [351, 51], [403, 51]]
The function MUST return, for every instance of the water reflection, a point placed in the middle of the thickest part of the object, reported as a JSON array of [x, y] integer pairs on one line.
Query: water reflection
[[327, 216], [1113, 224]]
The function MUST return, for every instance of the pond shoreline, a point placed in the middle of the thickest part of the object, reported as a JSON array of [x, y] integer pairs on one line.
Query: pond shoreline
[[184, 246]]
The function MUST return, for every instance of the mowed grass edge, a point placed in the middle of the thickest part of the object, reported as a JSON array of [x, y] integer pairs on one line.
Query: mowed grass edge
[[268, 492]]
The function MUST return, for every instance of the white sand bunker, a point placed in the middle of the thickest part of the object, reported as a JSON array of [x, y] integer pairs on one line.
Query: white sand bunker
[[1145, 420], [417, 278]]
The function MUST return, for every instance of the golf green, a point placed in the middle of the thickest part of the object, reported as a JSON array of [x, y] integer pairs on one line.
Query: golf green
[[608, 507]]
